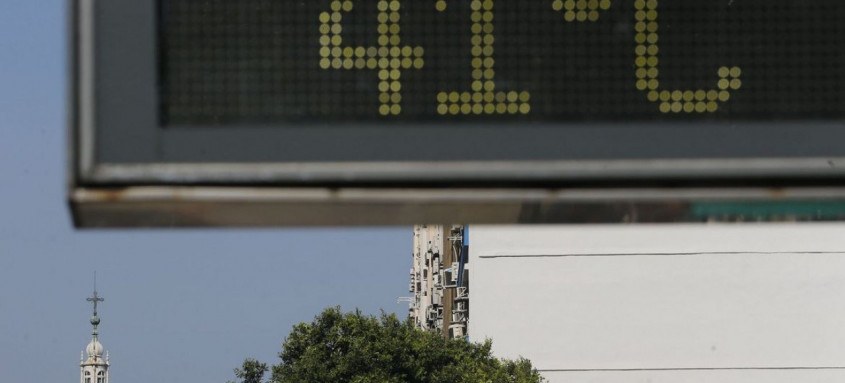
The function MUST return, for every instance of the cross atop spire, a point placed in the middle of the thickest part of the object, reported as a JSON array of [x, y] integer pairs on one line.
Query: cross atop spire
[[95, 298]]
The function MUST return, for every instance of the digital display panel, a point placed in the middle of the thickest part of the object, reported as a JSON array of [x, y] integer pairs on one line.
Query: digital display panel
[[400, 62]]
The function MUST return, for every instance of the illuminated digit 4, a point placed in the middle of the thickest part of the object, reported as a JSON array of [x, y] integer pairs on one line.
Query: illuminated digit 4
[[389, 57], [647, 72], [483, 99]]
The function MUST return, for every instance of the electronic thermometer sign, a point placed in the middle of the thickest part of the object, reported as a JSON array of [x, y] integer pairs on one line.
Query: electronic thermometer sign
[[517, 103]]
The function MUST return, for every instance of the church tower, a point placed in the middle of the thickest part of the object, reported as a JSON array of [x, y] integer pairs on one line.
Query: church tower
[[94, 368]]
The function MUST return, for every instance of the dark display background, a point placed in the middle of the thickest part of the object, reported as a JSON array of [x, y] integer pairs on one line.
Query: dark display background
[[256, 62]]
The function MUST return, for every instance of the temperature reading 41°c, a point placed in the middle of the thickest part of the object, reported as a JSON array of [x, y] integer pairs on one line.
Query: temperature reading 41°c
[[226, 62]]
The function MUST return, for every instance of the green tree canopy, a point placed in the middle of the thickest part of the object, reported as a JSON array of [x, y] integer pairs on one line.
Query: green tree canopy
[[351, 347]]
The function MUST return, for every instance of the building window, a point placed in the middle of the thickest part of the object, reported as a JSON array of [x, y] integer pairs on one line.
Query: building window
[[101, 377], [87, 377]]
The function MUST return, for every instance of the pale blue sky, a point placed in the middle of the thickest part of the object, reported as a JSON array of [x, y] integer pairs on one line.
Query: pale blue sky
[[182, 306]]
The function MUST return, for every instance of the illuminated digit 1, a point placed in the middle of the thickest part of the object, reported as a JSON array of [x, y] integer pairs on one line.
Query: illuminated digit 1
[[483, 99], [673, 101], [388, 57]]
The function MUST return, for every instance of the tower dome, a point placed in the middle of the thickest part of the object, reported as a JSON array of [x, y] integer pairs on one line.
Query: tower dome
[[94, 349]]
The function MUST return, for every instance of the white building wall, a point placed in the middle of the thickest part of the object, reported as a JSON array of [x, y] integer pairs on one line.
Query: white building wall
[[660, 304]]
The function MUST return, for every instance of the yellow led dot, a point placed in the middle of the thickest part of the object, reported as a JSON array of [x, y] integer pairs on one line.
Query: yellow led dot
[[487, 5], [524, 96], [652, 27], [557, 5], [477, 74], [724, 83], [700, 95], [325, 17], [440, 5], [569, 5], [475, 51], [736, 83], [454, 109], [418, 63], [337, 40], [639, 27], [724, 96], [736, 71], [384, 98], [477, 109], [348, 52], [593, 4], [337, 63], [581, 4], [604, 4], [383, 18], [677, 107], [395, 51], [581, 15], [689, 107], [325, 29], [325, 63], [337, 52], [382, 29], [501, 108], [639, 4], [489, 39], [477, 86], [442, 109], [475, 40], [653, 84], [512, 96], [639, 15], [347, 6], [383, 86], [395, 109], [677, 95], [360, 63], [396, 86], [348, 63], [407, 62], [689, 95], [418, 51], [395, 63], [384, 110], [513, 108], [383, 63], [712, 106], [665, 107], [593, 15], [652, 38], [525, 108], [640, 50], [395, 40], [477, 97], [653, 95], [466, 108], [395, 5], [336, 17], [394, 28], [640, 61], [700, 107], [325, 40], [406, 51], [383, 74], [442, 97], [336, 5], [642, 84], [651, 15], [489, 74], [653, 72], [640, 38], [487, 51], [652, 61], [489, 108], [712, 95], [372, 63], [665, 95], [325, 52], [569, 16], [454, 97], [489, 96], [724, 71], [489, 86], [653, 50]]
